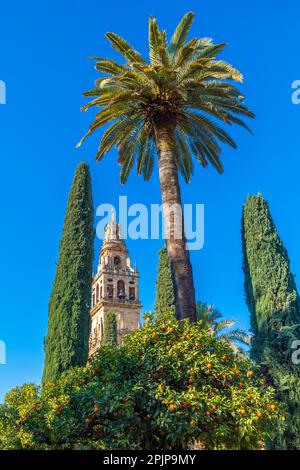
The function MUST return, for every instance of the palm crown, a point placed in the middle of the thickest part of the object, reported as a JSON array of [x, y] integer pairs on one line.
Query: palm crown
[[210, 318], [183, 86]]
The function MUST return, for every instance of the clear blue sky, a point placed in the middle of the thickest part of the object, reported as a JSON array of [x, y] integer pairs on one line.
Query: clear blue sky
[[43, 60]]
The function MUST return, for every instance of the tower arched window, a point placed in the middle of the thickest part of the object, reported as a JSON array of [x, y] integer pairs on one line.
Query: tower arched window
[[110, 292], [131, 293], [121, 289], [117, 262], [97, 293]]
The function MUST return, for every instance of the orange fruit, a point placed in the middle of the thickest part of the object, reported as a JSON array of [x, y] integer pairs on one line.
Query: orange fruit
[[209, 366], [191, 380], [88, 421], [185, 404], [250, 373], [172, 407], [192, 423], [243, 411], [207, 413], [259, 414]]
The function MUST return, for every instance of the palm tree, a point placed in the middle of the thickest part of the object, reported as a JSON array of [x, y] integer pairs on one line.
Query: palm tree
[[170, 106], [210, 316]]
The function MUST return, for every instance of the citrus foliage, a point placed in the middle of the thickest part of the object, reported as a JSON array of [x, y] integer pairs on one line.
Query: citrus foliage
[[171, 384]]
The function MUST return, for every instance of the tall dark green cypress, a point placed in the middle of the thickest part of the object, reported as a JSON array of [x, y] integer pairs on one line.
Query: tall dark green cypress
[[165, 299], [274, 307], [66, 344], [109, 329]]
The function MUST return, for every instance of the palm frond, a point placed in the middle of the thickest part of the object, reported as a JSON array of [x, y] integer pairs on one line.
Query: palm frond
[[211, 51], [181, 32], [158, 52], [184, 158], [110, 66], [223, 325], [124, 48], [145, 160], [209, 318], [241, 336], [116, 133]]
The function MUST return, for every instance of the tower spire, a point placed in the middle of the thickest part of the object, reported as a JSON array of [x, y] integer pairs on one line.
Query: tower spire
[[113, 214]]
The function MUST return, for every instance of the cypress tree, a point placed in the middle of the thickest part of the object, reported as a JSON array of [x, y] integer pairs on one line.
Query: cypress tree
[[274, 307], [66, 344], [109, 329], [165, 299]]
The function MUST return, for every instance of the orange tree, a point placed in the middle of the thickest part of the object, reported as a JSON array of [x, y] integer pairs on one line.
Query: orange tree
[[170, 385]]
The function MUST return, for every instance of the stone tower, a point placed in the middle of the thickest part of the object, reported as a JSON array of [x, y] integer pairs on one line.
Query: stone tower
[[115, 288]]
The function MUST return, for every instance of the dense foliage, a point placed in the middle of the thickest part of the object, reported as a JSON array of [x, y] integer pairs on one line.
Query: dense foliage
[[110, 329], [172, 384], [66, 344], [274, 306], [165, 300]]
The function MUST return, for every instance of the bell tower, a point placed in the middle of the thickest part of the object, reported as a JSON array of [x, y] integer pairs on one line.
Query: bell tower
[[115, 288]]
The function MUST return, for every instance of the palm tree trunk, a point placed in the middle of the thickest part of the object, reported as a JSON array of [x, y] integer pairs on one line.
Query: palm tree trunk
[[185, 306]]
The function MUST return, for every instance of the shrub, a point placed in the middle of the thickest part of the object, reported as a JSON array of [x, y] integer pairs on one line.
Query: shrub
[[171, 384]]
